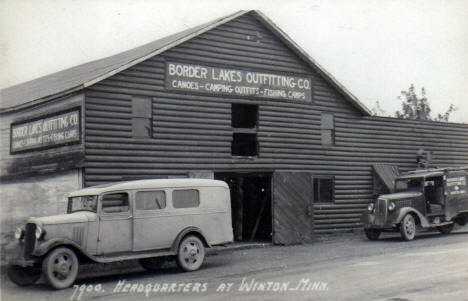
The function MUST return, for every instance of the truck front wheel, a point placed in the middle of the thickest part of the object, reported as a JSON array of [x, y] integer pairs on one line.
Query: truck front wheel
[[372, 234], [408, 227], [60, 267]]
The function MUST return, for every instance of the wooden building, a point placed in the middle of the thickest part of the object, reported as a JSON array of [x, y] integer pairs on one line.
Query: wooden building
[[234, 99]]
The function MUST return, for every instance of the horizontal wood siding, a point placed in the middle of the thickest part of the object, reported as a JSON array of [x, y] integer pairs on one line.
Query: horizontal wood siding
[[371, 140], [193, 132]]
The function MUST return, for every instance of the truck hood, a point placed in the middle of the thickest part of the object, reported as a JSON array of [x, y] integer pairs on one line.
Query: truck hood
[[76, 217], [401, 195]]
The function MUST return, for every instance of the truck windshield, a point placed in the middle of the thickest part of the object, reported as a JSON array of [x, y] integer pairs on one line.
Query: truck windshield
[[80, 203], [405, 185]]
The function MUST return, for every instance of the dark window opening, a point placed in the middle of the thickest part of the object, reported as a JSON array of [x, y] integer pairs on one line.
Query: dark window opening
[[244, 115], [244, 144], [323, 190]]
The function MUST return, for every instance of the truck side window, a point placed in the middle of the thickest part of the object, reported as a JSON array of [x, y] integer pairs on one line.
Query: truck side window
[[188, 198], [115, 202], [150, 200]]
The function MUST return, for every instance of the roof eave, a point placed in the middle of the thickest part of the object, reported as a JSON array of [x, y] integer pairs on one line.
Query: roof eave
[[95, 80], [166, 47], [261, 17], [41, 100], [312, 63]]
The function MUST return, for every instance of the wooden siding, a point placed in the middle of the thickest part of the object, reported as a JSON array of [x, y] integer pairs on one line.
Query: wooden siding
[[193, 132]]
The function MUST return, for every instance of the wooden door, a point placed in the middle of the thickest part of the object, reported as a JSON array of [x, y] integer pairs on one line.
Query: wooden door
[[292, 196]]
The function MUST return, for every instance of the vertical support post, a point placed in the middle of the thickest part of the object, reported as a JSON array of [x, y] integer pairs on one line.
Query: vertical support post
[[240, 208]]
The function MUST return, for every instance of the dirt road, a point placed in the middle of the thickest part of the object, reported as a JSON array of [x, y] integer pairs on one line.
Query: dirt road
[[432, 267]]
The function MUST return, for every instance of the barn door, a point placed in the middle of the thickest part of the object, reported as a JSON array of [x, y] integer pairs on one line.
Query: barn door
[[293, 193]]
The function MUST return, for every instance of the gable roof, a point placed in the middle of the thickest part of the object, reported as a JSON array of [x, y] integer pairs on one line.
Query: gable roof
[[76, 78]]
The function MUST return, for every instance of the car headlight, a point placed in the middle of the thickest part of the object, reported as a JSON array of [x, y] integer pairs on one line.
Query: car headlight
[[39, 232], [391, 206], [370, 207], [19, 233]]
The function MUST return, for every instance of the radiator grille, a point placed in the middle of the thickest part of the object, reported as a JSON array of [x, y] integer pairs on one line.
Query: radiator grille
[[29, 239], [380, 212]]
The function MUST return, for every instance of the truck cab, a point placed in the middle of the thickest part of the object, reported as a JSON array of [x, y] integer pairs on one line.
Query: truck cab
[[150, 221], [429, 198]]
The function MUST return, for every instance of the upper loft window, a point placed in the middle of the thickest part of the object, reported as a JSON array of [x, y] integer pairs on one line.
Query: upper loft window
[[244, 115], [141, 117], [328, 129], [244, 119]]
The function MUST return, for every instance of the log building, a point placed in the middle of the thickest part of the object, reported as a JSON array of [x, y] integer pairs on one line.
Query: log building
[[234, 99]]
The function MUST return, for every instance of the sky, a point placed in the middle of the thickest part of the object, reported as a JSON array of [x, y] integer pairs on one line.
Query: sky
[[375, 48]]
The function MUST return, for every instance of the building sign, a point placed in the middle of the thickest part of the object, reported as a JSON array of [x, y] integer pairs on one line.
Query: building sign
[[456, 185], [51, 131], [213, 80]]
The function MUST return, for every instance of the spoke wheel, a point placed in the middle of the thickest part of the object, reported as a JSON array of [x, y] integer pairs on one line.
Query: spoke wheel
[[23, 276], [408, 227], [191, 253], [60, 267]]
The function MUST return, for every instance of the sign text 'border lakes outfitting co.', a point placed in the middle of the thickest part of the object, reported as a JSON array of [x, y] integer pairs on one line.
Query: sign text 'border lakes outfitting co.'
[[50, 131], [214, 80]]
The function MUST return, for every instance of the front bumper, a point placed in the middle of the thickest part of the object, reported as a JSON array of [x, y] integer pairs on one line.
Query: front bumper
[[369, 221], [14, 254]]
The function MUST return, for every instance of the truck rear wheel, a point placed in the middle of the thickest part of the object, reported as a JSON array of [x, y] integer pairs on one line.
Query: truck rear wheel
[[408, 227], [445, 229], [372, 234], [191, 253]]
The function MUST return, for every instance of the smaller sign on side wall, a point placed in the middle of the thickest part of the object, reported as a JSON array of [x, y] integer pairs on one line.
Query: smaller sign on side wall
[[50, 131], [456, 185]]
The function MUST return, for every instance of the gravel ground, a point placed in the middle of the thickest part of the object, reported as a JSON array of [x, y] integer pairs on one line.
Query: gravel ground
[[343, 267]]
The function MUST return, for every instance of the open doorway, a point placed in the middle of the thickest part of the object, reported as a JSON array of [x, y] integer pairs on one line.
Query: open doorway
[[250, 204], [434, 195]]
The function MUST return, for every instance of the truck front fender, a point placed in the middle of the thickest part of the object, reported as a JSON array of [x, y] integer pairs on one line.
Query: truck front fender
[[13, 250], [48, 245], [404, 211], [367, 219]]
